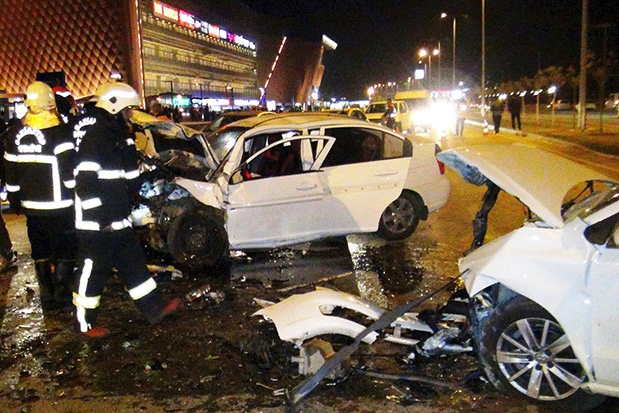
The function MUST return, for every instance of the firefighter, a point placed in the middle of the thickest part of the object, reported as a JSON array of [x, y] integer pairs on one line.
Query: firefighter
[[39, 160], [106, 180]]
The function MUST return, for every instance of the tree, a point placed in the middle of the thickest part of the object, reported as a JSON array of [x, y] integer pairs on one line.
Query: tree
[[573, 80], [601, 72], [540, 81]]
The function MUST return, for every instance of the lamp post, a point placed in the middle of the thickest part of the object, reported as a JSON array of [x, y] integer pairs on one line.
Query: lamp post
[[453, 50], [437, 52], [423, 52]]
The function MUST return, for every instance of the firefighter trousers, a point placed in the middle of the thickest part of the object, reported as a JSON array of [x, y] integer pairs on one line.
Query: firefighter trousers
[[101, 252]]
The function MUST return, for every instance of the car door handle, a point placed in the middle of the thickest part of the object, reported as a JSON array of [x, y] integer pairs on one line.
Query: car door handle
[[306, 186]]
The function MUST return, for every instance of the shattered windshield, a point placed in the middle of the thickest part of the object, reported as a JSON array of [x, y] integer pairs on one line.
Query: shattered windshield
[[222, 141], [597, 200]]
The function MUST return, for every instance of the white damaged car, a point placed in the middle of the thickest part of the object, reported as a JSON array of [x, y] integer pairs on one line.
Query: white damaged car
[[544, 297], [273, 181]]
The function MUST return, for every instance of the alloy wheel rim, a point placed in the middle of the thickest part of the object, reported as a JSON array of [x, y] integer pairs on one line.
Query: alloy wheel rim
[[536, 358]]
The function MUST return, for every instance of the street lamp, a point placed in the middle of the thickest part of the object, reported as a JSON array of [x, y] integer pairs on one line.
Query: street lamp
[[453, 51], [423, 52]]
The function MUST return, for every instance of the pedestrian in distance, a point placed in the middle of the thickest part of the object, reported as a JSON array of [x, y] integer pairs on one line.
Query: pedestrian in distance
[[39, 161], [156, 109], [514, 106], [106, 181], [497, 108]]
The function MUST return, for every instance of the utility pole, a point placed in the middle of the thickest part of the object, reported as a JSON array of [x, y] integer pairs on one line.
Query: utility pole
[[582, 89]]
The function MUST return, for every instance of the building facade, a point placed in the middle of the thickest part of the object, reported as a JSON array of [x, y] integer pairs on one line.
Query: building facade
[[182, 52]]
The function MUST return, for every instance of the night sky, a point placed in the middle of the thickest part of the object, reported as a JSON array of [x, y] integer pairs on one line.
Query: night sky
[[378, 40]]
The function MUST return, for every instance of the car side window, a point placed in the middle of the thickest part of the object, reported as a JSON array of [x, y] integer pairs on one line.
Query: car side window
[[353, 145], [281, 158], [395, 147]]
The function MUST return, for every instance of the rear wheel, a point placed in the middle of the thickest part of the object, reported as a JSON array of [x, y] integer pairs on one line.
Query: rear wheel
[[524, 351], [197, 238], [400, 218]]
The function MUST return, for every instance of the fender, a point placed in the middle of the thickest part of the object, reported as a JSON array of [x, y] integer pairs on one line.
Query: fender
[[205, 192], [303, 316]]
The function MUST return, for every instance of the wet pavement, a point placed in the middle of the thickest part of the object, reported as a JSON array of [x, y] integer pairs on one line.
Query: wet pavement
[[213, 355]]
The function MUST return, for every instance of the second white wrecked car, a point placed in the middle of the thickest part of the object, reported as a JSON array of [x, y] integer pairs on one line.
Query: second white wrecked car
[[544, 296]]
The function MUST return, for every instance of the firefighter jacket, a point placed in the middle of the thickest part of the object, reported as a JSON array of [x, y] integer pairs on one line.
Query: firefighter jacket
[[39, 168], [106, 172]]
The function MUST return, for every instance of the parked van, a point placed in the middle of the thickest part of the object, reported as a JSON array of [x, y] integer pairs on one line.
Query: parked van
[[419, 103]]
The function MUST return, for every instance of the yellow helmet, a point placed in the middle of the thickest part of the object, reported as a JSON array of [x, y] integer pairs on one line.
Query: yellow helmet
[[40, 95], [114, 97]]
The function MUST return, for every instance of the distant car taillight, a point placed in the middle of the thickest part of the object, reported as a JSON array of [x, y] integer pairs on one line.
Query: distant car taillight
[[441, 165]]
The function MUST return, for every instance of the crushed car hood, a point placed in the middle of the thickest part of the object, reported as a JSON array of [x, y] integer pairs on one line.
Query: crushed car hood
[[538, 178]]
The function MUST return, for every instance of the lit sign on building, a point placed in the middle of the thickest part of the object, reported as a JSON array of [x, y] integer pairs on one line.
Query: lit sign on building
[[186, 19], [190, 21]]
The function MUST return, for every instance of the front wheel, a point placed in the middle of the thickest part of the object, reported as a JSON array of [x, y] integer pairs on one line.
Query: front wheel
[[524, 351], [197, 238], [400, 218]]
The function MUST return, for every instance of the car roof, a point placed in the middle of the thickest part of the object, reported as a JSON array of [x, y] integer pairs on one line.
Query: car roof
[[382, 102], [299, 120], [243, 113], [538, 178]]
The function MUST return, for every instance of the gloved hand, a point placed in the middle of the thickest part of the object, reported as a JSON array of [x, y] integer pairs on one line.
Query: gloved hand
[[136, 199], [14, 203]]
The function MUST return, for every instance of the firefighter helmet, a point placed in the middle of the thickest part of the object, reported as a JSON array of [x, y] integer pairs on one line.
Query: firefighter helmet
[[114, 97], [40, 95]]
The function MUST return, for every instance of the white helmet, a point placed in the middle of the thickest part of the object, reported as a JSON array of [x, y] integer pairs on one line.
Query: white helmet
[[114, 97], [40, 95]]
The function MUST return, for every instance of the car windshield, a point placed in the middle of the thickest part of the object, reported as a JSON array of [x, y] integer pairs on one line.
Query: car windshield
[[222, 141], [592, 203], [377, 108]]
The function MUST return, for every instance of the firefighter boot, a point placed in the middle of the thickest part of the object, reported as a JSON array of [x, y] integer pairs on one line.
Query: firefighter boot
[[43, 270], [64, 282], [153, 308]]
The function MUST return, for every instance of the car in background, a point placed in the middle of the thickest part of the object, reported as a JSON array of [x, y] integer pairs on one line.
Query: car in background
[[560, 105], [612, 102], [350, 112], [544, 297], [589, 106], [232, 116], [272, 181], [403, 121]]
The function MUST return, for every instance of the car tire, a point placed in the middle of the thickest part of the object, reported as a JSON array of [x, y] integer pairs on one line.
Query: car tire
[[400, 218], [515, 350], [197, 238]]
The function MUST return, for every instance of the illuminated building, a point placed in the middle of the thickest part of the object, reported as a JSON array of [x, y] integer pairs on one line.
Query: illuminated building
[[207, 50]]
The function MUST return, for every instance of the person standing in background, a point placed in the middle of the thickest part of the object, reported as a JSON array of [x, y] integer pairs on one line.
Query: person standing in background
[[497, 108], [514, 106]]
